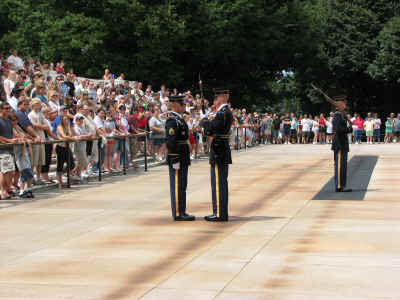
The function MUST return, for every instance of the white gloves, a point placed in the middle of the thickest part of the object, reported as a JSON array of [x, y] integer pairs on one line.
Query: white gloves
[[176, 166]]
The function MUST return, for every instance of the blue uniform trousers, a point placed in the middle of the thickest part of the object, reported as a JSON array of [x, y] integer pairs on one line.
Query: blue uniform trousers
[[340, 169], [219, 189], [178, 185]]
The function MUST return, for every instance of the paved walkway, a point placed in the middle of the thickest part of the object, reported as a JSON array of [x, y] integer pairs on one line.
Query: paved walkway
[[117, 241]]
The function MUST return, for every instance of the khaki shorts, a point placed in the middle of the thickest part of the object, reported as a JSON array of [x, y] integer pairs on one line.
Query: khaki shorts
[[6, 163], [133, 146], [82, 160], [95, 152], [38, 156]]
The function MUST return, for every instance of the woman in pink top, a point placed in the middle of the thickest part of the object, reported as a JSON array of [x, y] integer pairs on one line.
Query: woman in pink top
[[322, 128], [360, 127]]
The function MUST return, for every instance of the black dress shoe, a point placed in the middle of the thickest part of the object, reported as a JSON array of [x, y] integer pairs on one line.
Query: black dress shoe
[[343, 190], [214, 218], [185, 217]]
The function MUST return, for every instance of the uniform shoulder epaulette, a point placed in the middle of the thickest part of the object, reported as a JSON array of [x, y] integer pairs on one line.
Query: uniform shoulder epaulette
[[171, 116]]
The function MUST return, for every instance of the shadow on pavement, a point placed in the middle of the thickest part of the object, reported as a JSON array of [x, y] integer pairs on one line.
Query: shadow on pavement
[[359, 172], [252, 219]]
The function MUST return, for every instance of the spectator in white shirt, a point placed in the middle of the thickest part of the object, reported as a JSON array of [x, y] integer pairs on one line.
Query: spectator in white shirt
[[9, 83], [157, 127], [377, 129], [305, 123], [315, 129], [15, 60], [54, 103]]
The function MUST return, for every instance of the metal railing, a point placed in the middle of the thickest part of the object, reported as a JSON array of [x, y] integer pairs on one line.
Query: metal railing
[[100, 153]]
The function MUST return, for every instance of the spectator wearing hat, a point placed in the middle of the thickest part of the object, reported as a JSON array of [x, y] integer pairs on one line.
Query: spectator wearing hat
[[40, 125]]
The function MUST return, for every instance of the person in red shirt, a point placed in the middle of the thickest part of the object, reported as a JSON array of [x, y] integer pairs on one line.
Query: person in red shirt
[[359, 122], [322, 128], [142, 126], [60, 68]]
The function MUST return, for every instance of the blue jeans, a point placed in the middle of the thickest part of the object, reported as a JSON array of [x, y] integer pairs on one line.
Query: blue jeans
[[124, 152], [358, 135], [377, 134]]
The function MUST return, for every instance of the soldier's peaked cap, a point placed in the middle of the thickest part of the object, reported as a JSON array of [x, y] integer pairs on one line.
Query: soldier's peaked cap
[[178, 99], [221, 91]]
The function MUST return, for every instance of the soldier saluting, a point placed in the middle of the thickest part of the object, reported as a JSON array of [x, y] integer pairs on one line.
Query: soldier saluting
[[220, 155], [178, 158]]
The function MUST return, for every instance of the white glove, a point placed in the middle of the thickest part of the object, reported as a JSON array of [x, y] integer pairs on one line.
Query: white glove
[[176, 166]]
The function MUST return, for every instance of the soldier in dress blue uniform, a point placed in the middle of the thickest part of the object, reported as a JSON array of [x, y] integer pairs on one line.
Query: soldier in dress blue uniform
[[178, 158], [220, 155], [340, 145]]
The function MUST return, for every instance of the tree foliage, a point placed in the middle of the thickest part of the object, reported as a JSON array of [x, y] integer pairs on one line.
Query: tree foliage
[[347, 47]]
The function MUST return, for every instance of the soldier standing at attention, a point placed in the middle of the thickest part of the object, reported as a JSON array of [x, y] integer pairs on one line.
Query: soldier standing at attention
[[340, 145], [220, 155], [178, 158]]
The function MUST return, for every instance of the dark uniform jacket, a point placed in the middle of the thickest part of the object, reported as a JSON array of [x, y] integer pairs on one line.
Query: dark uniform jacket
[[219, 128], [340, 130], [177, 133]]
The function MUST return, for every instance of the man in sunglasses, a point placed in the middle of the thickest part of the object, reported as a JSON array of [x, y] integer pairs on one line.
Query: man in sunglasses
[[178, 158]]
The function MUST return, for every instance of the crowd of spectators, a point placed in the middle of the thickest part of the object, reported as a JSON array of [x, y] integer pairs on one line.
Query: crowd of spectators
[[48, 112], [306, 129]]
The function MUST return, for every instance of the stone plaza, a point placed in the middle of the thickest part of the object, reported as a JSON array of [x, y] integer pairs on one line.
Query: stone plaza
[[289, 236]]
